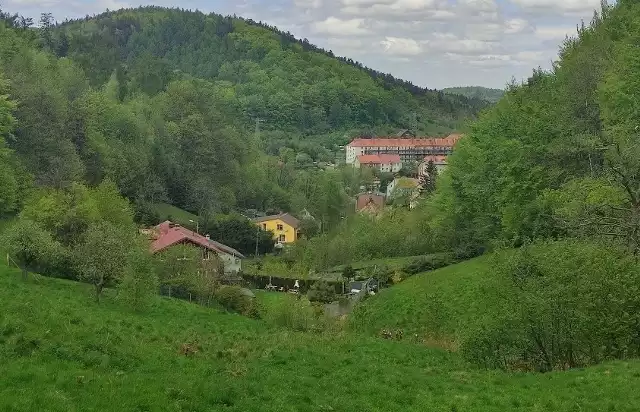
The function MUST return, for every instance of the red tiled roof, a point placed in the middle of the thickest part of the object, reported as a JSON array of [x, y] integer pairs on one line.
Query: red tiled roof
[[379, 159], [449, 141], [366, 199], [168, 234], [436, 159]]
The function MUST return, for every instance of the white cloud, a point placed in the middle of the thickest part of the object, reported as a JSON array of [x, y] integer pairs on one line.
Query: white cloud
[[555, 32], [338, 27], [398, 46], [308, 4], [515, 26], [552, 6]]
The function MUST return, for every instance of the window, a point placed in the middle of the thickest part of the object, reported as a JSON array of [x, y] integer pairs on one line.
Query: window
[[280, 227], [282, 238], [264, 226]]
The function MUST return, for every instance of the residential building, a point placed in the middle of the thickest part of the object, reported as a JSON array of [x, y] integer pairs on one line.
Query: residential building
[[409, 149], [168, 234], [370, 202], [406, 188], [284, 227], [384, 162], [439, 161]]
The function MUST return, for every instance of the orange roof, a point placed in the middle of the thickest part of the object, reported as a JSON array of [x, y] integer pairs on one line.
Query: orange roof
[[379, 159], [436, 159], [372, 200], [449, 141]]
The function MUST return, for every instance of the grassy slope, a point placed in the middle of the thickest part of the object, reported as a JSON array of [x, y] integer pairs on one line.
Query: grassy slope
[[167, 211], [59, 351], [441, 302]]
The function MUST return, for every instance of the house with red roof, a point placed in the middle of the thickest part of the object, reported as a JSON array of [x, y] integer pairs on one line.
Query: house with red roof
[[168, 234], [409, 149], [390, 163], [370, 202]]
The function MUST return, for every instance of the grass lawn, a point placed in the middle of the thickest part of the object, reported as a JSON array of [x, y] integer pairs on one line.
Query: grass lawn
[[60, 351], [176, 215], [439, 302]]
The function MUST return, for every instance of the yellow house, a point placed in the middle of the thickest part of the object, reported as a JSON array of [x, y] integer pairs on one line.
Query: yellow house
[[284, 226]]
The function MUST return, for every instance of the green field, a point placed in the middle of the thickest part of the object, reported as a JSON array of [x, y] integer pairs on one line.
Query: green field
[[438, 303], [62, 352], [175, 214]]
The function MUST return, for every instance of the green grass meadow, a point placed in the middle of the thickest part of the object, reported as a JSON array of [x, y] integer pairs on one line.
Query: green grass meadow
[[60, 351]]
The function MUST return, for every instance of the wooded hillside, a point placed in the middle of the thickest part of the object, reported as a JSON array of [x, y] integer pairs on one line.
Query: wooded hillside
[[288, 83]]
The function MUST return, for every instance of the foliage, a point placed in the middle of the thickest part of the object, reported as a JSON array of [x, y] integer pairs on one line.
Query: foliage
[[235, 299], [322, 292], [240, 233], [477, 92], [139, 284], [397, 232], [427, 263], [101, 256], [30, 246], [557, 306], [348, 272]]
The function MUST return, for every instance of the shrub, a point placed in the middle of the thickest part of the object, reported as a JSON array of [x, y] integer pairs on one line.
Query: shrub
[[235, 299], [556, 306], [321, 291], [428, 262]]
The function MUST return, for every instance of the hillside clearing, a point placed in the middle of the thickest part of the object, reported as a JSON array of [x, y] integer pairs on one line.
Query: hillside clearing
[[69, 354]]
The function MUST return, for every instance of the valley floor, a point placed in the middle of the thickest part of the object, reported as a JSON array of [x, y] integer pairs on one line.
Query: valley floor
[[59, 351]]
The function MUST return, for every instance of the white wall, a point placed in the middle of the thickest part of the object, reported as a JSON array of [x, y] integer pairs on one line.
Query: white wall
[[353, 153], [231, 263]]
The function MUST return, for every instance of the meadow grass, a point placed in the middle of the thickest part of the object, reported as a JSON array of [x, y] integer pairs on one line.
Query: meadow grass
[[438, 303], [177, 215], [60, 351]]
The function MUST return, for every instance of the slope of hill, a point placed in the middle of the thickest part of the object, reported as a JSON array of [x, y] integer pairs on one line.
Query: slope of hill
[[62, 352], [287, 83], [476, 92]]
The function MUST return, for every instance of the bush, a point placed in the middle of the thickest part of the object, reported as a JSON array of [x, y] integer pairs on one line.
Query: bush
[[235, 299], [556, 306], [322, 292], [428, 262]]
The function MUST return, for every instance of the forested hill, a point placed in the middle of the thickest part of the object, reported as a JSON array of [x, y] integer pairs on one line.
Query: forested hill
[[476, 92], [287, 83]]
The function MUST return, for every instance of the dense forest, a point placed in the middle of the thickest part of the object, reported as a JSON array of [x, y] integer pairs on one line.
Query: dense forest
[[476, 92]]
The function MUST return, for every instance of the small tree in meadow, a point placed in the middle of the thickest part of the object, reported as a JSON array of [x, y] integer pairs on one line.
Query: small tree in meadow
[[140, 282], [30, 246], [101, 258]]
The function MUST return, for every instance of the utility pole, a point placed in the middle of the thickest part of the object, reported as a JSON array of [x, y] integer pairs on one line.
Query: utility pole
[[257, 238]]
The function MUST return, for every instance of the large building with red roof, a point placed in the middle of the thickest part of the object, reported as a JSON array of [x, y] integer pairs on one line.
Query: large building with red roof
[[168, 234], [408, 149], [384, 162]]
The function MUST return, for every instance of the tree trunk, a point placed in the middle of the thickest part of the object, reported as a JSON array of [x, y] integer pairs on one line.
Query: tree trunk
[[25, 274], [98, 292]]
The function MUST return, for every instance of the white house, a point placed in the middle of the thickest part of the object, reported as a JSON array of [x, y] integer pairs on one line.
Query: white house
[[383, 162], [231, 258]]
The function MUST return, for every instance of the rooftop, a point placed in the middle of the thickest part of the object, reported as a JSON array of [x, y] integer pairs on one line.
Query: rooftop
[[168, 234], [449, 141], [436, 159], [379, 159], [285, 217]]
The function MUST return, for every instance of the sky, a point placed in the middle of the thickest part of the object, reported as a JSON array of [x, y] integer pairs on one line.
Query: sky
[[432, 43]]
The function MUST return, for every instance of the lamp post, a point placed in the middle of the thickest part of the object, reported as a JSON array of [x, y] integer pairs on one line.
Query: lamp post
[[197, 225]]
